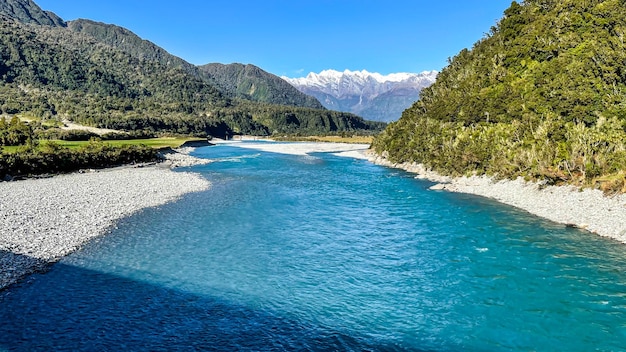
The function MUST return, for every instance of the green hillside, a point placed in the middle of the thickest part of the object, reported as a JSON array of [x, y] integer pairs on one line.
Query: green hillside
[[252, 83], [543, 96], [48, 72], [26, 11], [128, 42], [234, 80]]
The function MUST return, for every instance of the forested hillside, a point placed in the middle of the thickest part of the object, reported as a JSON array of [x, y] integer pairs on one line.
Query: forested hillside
[[26, 11], [233, 80], [543, 95], [47, 71], [251, 83], [128, 42], [105, 76]]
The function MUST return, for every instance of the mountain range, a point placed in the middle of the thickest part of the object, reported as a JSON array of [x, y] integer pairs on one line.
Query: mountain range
[[371, 95], [105, 75]]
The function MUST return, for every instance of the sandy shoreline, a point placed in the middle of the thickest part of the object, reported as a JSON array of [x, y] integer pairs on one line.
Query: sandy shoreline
[[42, 220]]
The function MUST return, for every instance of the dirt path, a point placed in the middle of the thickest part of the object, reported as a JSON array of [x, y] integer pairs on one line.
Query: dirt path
[[68, 125]]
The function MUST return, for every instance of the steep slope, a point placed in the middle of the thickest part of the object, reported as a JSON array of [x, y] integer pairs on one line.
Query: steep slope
[[252, 83], [127, 41], [542, 96], [235, 80], [26, 11], [47, 71], [371, 95]]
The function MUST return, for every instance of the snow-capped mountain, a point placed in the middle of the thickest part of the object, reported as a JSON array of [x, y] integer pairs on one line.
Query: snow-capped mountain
[[370, 95]]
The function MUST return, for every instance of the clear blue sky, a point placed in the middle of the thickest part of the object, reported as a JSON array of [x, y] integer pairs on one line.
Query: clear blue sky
[[295, 37]]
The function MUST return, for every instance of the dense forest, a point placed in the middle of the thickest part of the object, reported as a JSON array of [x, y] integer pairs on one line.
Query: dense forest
[[252, 83], [51, 158], [14, 132], [128, 42], [542, 95], [234, 80]]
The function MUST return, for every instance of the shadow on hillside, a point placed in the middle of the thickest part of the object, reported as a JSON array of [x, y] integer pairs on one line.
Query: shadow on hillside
[[70, 308]]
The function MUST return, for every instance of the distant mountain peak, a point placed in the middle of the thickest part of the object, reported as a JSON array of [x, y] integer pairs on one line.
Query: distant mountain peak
[[371, 95], [364, 74]]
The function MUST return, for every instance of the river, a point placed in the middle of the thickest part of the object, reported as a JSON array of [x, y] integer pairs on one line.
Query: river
[[325, 253]]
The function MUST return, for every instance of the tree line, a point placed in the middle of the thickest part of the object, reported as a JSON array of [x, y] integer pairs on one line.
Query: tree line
[[51, 158], [36, 156]]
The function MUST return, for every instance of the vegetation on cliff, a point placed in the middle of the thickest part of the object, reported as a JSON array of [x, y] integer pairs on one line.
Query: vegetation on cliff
[[27, 11], [234, 80], [542, 95], [128, 42]]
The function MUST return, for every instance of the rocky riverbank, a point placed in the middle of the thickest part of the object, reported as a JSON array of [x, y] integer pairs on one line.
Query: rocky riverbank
[[587, 209], [179, 157], [42, 220]]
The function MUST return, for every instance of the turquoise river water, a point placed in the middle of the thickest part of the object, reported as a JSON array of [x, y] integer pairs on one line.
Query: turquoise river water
[[324, 253]]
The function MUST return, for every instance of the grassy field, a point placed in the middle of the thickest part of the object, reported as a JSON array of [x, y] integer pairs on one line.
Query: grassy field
[[331, 139], [9, 149], [152, 142]]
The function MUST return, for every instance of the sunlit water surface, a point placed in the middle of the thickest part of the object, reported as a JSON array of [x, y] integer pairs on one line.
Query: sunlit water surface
[[325, 253]]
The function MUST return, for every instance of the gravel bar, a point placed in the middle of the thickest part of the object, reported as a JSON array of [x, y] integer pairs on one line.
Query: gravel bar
[[42, 220]]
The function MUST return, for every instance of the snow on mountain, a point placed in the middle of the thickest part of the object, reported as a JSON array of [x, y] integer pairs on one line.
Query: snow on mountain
[[370, 95]]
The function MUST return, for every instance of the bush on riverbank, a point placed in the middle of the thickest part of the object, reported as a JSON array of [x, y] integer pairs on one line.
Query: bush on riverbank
[[83, 135], [552, 151], [14, 132], [51, 158]]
